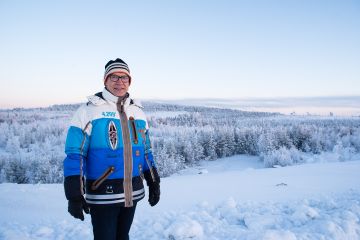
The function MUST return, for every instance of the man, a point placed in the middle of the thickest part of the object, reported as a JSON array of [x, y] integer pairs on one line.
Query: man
[[108, 144]]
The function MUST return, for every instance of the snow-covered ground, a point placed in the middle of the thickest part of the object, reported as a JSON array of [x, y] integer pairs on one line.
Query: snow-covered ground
[[231, 198]]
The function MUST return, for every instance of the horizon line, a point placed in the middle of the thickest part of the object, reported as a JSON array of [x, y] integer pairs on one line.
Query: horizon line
[[338, 97]]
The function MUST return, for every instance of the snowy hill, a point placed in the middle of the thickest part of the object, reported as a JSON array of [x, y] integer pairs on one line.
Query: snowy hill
[[231, 198]]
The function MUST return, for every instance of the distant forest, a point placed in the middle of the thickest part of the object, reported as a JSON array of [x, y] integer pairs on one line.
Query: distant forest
[[32, 140]]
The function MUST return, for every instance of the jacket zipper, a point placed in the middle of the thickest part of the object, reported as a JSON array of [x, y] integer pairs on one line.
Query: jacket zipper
[[102, 178], [128, 167], [81, 158]]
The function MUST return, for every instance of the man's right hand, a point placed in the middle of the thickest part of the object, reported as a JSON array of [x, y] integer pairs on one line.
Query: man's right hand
[[73, 193], [154, 186], [76, 208], [154, 193]]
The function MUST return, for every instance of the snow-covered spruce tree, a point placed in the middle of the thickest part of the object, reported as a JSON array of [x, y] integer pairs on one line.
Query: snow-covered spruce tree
[[282, 156], [300, 137], [2, 169], [209, 145], [16, 171], [198, 149], [224, 142], [164, 162], [246, 141], [189, 152], [4, 129]]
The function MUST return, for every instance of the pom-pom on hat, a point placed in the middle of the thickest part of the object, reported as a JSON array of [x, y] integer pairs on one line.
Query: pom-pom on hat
[[114, 66]]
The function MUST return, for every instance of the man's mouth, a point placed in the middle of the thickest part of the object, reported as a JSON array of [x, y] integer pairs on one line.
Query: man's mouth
[[119, 88]]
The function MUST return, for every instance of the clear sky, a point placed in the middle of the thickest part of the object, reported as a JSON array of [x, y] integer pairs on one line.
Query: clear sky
[[54, 52]]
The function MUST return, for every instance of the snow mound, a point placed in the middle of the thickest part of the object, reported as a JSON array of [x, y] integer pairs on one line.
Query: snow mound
[[329, 217]]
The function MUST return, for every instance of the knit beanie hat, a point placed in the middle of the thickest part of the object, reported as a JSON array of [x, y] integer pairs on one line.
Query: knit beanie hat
[[114, 66]]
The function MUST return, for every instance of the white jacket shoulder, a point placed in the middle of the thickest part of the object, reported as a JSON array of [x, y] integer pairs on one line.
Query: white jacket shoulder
[[137, 103], [80, 117], [95, 100]]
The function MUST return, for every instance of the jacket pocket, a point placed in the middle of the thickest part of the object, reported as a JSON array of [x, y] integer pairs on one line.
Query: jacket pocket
[[102, 178], [133, 130]]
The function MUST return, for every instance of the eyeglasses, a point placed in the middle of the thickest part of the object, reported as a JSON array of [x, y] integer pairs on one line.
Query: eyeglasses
[[124, 78]]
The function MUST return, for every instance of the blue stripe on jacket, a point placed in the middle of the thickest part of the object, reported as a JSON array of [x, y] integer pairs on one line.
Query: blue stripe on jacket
[[97, 154]]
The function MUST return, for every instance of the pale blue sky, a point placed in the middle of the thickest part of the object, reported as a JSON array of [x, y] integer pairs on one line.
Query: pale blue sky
[[54, 52]]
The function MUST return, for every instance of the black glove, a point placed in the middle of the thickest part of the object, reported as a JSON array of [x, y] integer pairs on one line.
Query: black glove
[[154, 186], [76, 208], [73, 193], [154, 193]]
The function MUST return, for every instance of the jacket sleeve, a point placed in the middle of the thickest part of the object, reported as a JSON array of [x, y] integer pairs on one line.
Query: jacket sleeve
[[150, 162], [77, 143]]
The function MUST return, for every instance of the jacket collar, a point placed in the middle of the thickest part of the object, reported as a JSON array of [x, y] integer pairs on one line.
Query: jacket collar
[[106, 96]]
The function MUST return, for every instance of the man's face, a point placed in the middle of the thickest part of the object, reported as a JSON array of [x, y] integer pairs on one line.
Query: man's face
[[117, 84]]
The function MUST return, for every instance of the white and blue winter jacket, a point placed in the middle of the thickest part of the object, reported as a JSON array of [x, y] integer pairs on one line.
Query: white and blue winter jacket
[[97, 146]]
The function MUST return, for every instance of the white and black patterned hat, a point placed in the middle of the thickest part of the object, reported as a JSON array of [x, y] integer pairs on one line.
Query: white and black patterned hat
[[114, 66]]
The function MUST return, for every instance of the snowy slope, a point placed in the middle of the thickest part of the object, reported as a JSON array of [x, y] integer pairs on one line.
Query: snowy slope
[[232, 198]]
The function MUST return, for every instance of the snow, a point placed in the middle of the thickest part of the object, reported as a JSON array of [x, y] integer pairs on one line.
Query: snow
[[325, 106], [231, 198], [165, 114], [32, 140]]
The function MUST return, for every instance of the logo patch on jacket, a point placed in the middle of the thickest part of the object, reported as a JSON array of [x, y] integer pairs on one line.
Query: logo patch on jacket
[[137, 153], [112, 132], [108, 114]]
